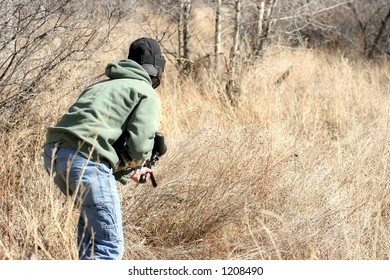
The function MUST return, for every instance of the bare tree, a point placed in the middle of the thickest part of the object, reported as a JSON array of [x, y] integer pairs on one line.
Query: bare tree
[[379, 35], [310, 22], [177, 12], [38, 36], [363, 25], [217, 37], [232, 86], [183, 35], [180, 35], [265, 9], [186, 29], [372, 21]]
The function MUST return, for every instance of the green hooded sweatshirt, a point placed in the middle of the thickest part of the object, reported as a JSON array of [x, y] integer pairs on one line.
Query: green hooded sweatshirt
[[125, 102]]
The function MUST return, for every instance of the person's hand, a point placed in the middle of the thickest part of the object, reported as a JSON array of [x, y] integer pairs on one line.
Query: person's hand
[[136, 176]]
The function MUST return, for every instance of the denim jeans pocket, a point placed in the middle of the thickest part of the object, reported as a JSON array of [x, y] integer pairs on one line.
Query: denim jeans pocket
[[108, 221]]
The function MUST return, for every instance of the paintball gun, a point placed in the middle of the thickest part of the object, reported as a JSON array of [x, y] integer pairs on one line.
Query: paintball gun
[[159, 149]]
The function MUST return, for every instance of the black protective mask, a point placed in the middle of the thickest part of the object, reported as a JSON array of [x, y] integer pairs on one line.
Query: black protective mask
[[147, 53]]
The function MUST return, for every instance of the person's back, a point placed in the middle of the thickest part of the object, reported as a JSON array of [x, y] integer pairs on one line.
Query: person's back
[[104, 111]]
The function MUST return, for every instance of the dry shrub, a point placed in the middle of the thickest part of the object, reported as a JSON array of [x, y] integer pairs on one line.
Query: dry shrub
[[298, 170], [206, 181]]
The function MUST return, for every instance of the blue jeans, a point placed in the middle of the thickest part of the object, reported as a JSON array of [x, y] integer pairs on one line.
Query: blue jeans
[[100, 232]]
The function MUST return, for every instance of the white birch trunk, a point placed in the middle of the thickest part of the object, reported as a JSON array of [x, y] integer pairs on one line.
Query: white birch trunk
[[236, 39], [180, 33]]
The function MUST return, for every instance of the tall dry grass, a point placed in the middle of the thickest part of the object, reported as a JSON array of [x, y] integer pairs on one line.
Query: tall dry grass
[[299, 169]]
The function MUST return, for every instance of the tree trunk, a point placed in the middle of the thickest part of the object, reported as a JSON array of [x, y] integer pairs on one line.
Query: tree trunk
[[180, 35], [217, 41], [186, 31], [259, 28], [236, 38], [183, 32], [232, 87], [378, 36], [266, 8]]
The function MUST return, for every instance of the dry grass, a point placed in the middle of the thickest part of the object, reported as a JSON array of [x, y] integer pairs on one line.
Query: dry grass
[[298, 170]]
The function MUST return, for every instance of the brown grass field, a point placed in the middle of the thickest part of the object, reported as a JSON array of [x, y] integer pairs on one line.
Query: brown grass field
[[299, 169]]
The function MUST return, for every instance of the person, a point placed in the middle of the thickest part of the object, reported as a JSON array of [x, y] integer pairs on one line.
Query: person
[[80, 152]]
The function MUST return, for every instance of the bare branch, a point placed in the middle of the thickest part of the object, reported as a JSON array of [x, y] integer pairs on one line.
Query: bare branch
[[38, 36]]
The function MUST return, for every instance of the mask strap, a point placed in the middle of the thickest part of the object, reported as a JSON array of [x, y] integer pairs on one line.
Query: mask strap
[[156, 60]]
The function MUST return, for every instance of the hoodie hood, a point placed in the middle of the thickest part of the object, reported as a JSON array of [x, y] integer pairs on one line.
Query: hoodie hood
[[127, 69]]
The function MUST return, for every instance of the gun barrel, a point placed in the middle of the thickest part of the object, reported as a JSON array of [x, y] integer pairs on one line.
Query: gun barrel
[[154, 182]]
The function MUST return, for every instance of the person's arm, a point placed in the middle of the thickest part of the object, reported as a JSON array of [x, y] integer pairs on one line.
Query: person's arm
[[142, 127]]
